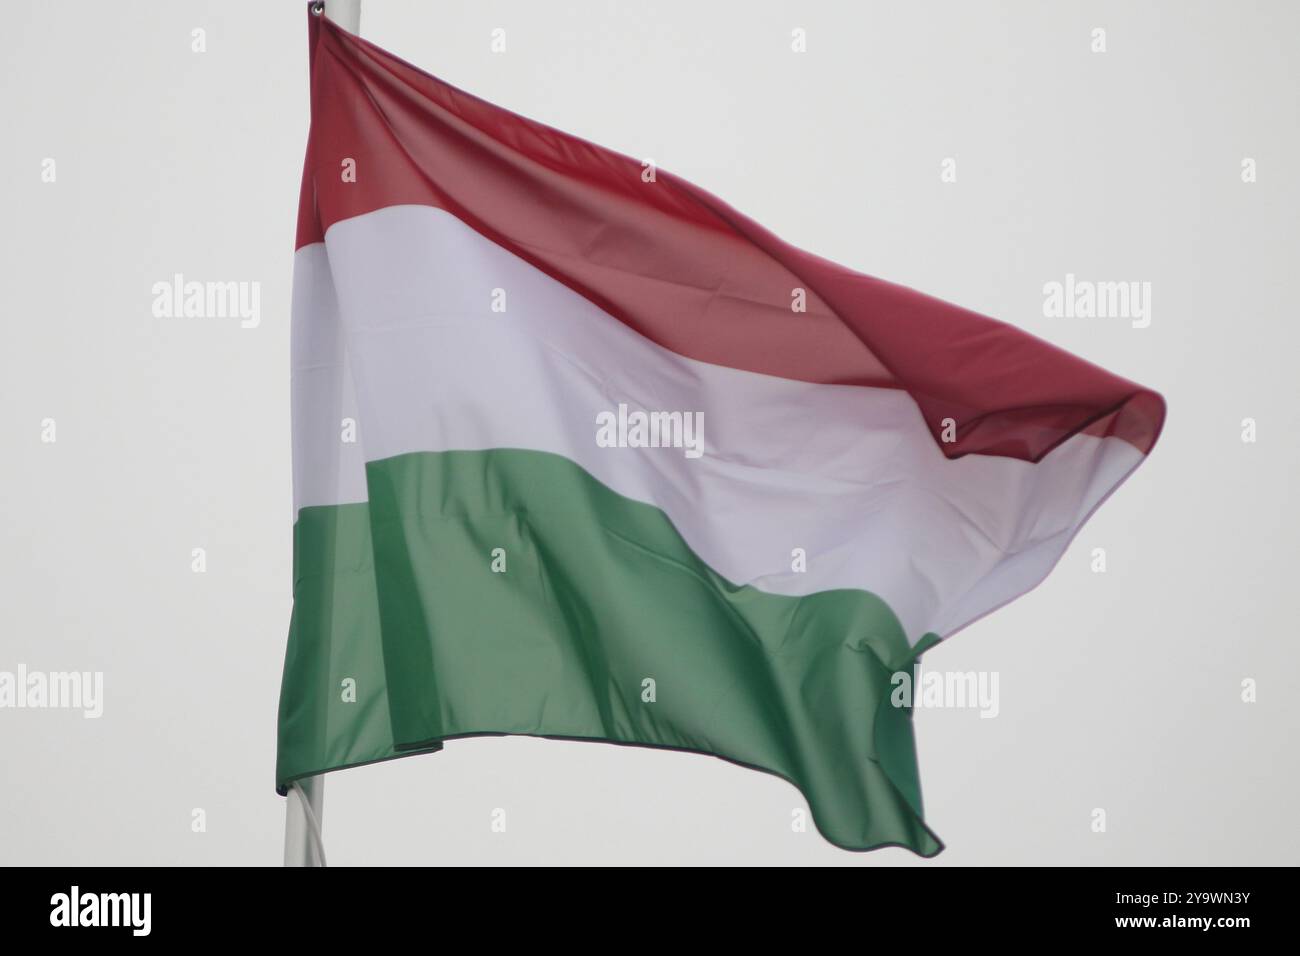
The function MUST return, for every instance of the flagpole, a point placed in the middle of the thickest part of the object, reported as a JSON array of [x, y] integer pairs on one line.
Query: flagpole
[[305, 803]]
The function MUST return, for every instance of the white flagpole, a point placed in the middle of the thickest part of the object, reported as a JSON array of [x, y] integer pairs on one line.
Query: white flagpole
[[305, 802]]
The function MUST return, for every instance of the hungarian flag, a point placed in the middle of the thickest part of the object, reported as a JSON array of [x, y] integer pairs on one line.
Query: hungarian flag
[[582, 452]]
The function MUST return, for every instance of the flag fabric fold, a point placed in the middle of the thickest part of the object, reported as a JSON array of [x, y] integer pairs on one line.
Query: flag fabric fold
[[582, 452]]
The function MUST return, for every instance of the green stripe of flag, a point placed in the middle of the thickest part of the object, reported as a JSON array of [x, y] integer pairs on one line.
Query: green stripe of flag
[[519, 595]]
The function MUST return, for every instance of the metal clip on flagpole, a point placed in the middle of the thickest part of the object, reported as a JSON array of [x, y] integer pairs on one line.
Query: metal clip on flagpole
[[305, 803]]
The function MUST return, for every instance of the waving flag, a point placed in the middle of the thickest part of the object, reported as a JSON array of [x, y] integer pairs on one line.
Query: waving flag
[[582, 452]]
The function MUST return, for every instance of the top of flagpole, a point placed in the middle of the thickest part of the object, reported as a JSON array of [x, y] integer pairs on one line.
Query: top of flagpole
[[346, 13]]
